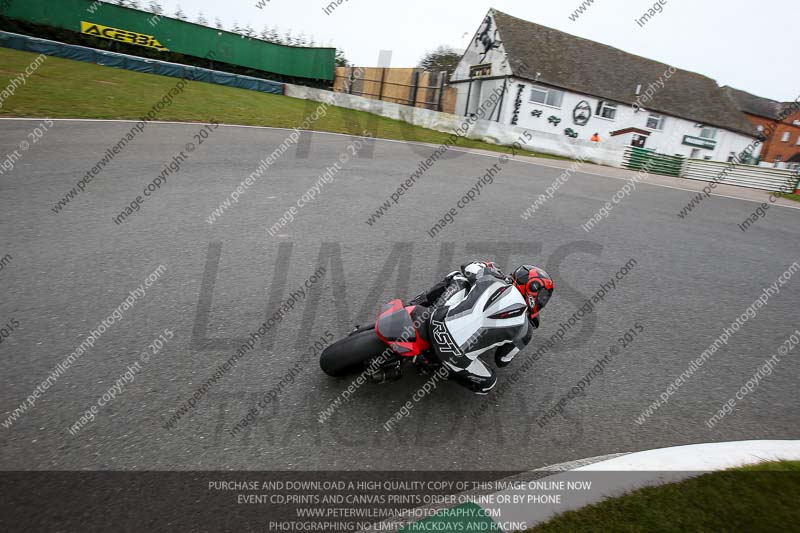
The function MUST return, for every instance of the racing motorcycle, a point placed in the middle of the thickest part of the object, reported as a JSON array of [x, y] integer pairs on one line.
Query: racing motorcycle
[[382, 349]]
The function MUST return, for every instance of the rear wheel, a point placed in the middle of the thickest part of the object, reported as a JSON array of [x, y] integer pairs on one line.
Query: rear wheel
[[351, 354]]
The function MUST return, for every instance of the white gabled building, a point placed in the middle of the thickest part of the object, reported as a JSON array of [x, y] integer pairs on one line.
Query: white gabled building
[[556, 83]]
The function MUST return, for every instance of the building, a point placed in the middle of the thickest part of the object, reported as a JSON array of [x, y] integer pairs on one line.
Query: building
[[555, 83], [778, 123]]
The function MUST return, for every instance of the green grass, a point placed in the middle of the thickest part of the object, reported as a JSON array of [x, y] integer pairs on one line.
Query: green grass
[[764, 497], [789, 196], [63, 88]]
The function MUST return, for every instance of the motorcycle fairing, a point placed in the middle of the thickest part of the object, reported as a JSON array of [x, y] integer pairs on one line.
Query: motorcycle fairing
[[395, 326]]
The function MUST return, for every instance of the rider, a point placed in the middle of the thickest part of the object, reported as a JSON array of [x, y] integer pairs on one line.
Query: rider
[[475, 310]]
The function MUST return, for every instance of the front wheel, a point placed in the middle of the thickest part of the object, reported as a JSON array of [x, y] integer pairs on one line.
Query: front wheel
[[351, 354]]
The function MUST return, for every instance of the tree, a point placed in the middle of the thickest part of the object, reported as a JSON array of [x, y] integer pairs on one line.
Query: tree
[[201, 19], [155, 7], [443, 58], [341, 60], [287, 37], [134, 4], [249, 31], [179, 14], [274, 36], [236, 28], [264, 35], [218, 24]]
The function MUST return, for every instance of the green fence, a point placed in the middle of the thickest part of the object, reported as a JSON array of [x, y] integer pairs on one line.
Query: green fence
[[138, 27], [639, 158], [136, 64]]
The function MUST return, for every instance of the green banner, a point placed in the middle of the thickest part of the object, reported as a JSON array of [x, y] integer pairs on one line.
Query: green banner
[[138, 27]]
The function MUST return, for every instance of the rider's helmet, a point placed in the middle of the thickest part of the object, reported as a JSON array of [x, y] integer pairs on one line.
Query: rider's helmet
[[536, 287]]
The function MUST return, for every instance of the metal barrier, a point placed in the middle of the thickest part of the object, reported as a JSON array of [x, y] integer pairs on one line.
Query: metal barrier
[[771, 179], [639, 158]]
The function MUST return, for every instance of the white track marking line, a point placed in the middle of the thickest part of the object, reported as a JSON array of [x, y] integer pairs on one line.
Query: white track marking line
[[609, 476], [534, 163], [642, 469]]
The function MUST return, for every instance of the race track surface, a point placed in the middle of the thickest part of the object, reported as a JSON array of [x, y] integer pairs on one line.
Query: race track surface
[[70, 270]]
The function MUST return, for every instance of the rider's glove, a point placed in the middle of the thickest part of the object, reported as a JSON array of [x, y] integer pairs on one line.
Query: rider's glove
[[449, 278]]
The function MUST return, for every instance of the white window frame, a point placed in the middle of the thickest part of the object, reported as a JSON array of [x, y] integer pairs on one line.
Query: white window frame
[[713, 131], [798, 140], [786, 136], [605, 105], [659, 121], [548, 92]]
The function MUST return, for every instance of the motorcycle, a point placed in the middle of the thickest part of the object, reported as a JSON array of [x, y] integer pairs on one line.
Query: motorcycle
[[382, 349]]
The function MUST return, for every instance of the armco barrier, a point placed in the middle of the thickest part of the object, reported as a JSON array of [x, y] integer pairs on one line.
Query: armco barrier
[[771, 179], [175, 35], [138, 64], [482, 130]]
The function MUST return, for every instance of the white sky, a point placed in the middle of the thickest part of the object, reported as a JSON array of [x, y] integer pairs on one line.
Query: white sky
[[749, 45]]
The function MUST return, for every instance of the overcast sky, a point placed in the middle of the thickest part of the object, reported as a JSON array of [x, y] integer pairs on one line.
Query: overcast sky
[[749, 45]]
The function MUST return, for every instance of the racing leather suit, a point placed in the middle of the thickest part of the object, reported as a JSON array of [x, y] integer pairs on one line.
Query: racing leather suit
[[475, 310]]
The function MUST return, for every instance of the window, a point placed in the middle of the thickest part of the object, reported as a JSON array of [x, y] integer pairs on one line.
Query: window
[[760, 127], [707, 157], [785, 137], [543, 95], [798, 140], [708, 132], [655, 121], [607, 110]]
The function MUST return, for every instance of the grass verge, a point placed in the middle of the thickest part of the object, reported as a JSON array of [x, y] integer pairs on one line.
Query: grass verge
[[788, 195], [763, 497], [62, 88]]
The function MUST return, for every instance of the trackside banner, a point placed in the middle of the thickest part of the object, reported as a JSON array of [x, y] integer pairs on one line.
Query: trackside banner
[[134, 26], [123, 36]]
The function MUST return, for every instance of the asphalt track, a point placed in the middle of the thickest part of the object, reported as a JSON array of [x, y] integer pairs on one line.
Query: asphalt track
[[70, 270]]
